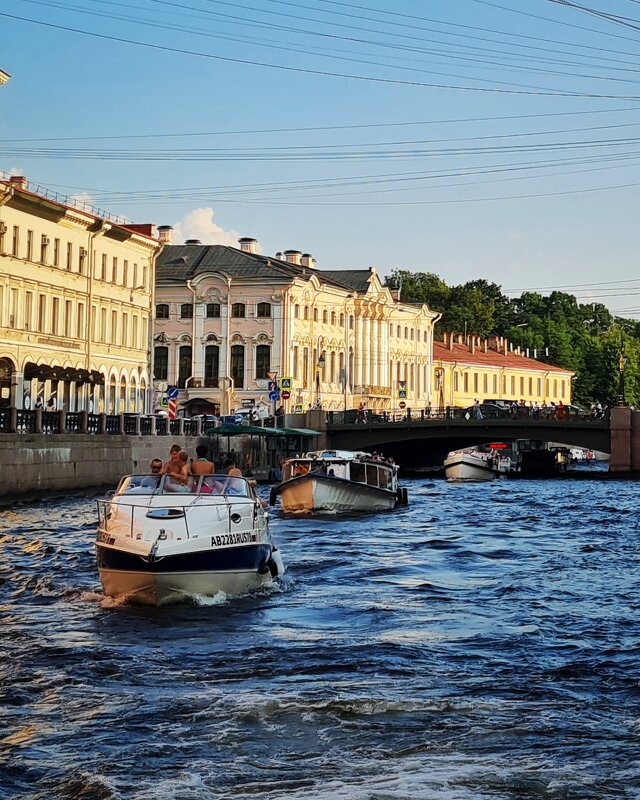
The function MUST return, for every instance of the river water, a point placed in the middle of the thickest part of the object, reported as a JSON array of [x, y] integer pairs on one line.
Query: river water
[[482, 643]]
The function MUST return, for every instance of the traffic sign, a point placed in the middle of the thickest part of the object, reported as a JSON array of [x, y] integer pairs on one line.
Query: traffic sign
[[402, 394], [173, 392], [286, 383], [273, 396], [273, 386], [285, 395], [402, 405], [297, 409]]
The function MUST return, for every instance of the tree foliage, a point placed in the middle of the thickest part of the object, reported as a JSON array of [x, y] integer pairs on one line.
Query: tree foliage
[[554, 328]]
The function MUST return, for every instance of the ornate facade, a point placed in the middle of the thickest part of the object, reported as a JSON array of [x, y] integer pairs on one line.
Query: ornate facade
[[228, 320], [75, 304]]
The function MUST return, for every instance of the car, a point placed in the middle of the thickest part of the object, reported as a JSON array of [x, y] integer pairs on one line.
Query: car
[[488, 410]]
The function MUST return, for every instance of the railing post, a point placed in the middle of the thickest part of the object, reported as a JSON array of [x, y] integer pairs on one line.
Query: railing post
[[102, 424], [13, 420], [121, 424], [37, 425], [181, 426], [199, 426], [138, 430], [152, 425], [84, 421], [62, 421]]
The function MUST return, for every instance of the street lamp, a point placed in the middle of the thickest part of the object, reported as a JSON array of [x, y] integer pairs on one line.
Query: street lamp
[[622, 363], [320, 367]]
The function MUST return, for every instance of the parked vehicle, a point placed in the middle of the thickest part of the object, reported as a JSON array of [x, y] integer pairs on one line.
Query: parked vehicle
[[488, 410]]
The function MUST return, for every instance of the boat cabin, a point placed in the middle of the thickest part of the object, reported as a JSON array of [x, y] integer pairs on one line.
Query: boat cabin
[[354, 467]]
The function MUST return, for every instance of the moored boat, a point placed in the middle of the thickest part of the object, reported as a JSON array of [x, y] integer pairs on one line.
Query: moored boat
[[159, 541], [481, 463], [338, 481]]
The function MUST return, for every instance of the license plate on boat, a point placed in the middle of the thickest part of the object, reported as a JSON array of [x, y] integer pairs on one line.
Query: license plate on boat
[[225, 539]]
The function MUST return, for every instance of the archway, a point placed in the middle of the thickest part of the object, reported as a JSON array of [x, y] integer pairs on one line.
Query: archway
[[7, 369]]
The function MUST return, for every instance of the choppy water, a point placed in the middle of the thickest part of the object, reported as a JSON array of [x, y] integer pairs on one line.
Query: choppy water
[[482, 643]]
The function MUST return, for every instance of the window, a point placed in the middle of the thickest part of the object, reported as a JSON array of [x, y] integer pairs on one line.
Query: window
[[67, 319], [134, 332], [184, 364], [325, 317], [333, 317], [28, 310], [539, 392], [296, 358], [521, 386], [82, 261], [237, 364], [238, 311], [44, 246], [42, 313], [315, 314], [213, 310], [125, 330], [562, 389], [406, 333], [296, 311], [306, 312], [555, 387], [411, 334], [513, 385], [161, 363], [114, 270], [263, 361], [485, 384], [530, 386], [55, 310], [103, 322], [15, 243], [495, 384], [69, 255], [29, 245], [211, 365], [351, 322], [305, 367], [135, 283], [341, 376], [475, 382], [263, 310], [186, 311], [398, 331], [342, 320], [455, 381], [13, 308], [162, 311], [3, 231], [466, 382], [56, 252], [114, 327], [125, 273], [80, 321], [332, 368]]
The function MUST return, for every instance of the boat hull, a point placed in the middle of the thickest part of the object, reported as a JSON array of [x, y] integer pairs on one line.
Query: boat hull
[[464, 468], [316, 493], [132, 577]]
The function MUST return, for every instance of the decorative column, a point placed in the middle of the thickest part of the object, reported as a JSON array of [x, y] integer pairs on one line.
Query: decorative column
[[198, 334]]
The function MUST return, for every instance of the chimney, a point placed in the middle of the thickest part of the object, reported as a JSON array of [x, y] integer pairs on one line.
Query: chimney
[[193, 241], [293, 257], [308, 260], [19, 181], [248, 245], [165, 234], [451, 341], [485, 346], [279, 256], [473, 345]]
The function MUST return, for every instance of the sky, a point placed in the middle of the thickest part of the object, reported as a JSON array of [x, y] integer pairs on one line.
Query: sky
[[495, 139]]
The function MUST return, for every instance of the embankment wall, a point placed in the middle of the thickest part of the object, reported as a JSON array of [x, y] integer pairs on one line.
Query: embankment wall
[[39, 462]]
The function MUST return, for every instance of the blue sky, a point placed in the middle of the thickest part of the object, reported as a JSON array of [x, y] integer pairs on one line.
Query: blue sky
[[509, 176]]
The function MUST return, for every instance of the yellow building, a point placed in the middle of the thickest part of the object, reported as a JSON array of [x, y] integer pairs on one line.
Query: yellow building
[[76, 289], [472, 369], [4, 77], [229, 318]]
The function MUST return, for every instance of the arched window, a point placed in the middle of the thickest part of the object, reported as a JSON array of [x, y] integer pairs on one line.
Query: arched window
[[184, 365], [398, 331], [351, 322], [296, 311], [122, 407], [315, 314], [411, 334], [263, 310], [238, 311], [406, 333], [325, 316], [186, 311], [237, 365], [333, 317], [342, 320], [211, 365], [213, 310], [161, 363], [306, 312], [391, 329], [263, 361], [162, 311]]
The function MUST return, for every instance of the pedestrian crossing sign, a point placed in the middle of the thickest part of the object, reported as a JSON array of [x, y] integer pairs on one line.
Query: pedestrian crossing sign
[[286, 383]]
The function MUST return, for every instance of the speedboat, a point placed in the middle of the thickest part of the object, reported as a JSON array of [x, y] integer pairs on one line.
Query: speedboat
[[481, 463], [159, 541], [338, 481]]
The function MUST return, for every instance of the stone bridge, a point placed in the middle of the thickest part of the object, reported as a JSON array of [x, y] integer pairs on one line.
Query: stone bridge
[[425, 441]]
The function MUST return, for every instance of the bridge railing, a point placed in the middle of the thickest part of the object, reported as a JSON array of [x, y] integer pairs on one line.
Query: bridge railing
[[17, 420], [521, 413]]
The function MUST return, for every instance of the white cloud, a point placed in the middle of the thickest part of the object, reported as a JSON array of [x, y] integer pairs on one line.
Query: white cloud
[[81, 200], [199, 224], [14, 171]]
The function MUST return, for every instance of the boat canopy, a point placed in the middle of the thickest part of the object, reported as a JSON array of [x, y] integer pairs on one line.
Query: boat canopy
[[206, 485]]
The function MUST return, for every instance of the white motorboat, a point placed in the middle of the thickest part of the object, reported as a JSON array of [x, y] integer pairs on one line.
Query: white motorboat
[[338, 481], [481, 463], [159, 541]]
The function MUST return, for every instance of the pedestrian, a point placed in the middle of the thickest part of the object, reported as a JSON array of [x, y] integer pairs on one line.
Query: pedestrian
[[201, 464], [51, 404], [477, 410]]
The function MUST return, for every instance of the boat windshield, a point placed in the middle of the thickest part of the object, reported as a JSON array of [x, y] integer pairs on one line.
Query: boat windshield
[[209, 485]]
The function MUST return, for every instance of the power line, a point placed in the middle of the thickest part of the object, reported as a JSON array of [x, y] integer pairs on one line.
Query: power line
[[322, 73]]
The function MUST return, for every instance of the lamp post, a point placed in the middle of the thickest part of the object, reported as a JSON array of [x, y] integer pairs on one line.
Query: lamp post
[[622, 363], [319, 368]]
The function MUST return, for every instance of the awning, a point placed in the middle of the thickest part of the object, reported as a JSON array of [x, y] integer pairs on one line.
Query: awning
[[298, 432], [242, 430], [43, 372]]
